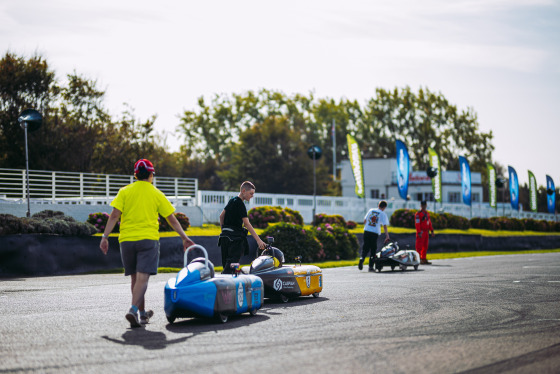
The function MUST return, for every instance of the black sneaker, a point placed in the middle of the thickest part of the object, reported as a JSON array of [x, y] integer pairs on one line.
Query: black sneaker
[[371, 270], [361, 264], [133, 319]]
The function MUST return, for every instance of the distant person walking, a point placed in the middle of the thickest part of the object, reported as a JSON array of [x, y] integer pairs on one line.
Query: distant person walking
[[423, 227], [233, 238], [138, 206], [373, 221]]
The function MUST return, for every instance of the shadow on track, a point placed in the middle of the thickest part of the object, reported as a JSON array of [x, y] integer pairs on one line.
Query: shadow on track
[[145, 338], [201, 325]]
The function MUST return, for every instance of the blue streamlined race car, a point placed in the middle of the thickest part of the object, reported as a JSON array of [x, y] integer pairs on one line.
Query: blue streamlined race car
[[197, 292]]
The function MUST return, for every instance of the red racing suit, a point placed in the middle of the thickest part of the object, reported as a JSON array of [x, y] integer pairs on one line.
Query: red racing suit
[[423, 227]]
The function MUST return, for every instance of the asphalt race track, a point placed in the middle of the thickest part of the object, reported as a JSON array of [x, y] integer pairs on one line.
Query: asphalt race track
[[498, 314]]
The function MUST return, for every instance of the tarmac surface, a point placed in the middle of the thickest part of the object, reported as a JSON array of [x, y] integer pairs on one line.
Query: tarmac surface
[[472, 315]]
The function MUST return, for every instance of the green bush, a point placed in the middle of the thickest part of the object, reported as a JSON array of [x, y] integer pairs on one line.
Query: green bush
[[338, 243], [535, 225], [294, 241], [99, 220], [439, 221], [334, 219], [403, 218], [485, 223], [10, 224], [261, 216], [456, 222], [45, 222], [181, 217]]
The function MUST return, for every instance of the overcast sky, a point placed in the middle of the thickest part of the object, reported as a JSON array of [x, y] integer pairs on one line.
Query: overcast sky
[[500, 57]]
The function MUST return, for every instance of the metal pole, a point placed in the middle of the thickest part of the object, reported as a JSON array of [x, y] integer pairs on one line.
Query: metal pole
[[27, 170], [503, 202], [333, 151], [314, 188]]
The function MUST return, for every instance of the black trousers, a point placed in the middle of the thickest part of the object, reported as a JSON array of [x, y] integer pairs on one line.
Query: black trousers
[[370, 245], [231, 254]]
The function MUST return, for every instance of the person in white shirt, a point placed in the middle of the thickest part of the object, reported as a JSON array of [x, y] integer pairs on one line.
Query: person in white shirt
[[373, 221]]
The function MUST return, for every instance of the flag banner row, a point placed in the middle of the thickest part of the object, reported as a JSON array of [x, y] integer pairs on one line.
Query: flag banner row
[[513, 188], [356, 163], [436, 181], [550, 195], [465, 180], [532, 191], [403, 169], [492, 194]]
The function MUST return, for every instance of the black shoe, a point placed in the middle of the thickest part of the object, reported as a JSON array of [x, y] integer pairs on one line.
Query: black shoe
[[371, 270], [361, 264]]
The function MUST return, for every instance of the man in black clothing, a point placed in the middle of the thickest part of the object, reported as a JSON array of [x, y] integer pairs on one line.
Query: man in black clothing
[[233, 239]]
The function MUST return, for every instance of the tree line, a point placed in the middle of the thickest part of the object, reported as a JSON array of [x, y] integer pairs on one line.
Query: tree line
[[260, 136]]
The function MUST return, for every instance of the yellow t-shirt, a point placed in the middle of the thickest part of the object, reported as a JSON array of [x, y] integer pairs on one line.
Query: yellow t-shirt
[[140, 203]]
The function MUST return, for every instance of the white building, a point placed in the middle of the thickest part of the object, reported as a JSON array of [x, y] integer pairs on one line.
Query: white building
[[380, 178]]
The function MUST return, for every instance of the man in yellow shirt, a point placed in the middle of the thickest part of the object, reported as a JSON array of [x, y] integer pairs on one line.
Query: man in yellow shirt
[[138, 206]]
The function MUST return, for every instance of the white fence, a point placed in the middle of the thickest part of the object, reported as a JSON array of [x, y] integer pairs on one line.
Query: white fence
[[49, 187], [212, 203]]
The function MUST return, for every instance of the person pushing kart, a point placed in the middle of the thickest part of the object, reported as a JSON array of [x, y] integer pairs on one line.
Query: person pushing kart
[[138, 206], [233, 238], [373, 221], [423, 227]]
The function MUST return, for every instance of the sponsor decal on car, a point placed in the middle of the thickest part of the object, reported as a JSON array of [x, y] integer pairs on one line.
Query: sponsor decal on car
[[240, 293], [277, 284], [308, 281]]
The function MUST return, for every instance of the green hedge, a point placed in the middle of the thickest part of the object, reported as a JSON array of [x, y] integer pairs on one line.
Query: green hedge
[[293, 240], [440, 221], [323, 242], [405, 218], [45, 222], [261, 216], [514, 224]]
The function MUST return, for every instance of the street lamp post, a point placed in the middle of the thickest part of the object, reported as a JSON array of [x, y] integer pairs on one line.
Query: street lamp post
[[314, 152], [500, 183], [29, 120]]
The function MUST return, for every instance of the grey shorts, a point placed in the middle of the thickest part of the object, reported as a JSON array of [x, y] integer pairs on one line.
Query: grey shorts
[[141, 256]]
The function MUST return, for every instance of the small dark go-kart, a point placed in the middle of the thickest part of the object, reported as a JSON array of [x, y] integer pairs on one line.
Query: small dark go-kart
[[197, 292], [391, 255], [285, 281]]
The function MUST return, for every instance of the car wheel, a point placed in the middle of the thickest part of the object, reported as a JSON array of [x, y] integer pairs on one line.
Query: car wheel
[[222, 317], [316, 295], [403, 267], [284, 298], [253, 312], [415, 267], [393, 268], [170, 319]]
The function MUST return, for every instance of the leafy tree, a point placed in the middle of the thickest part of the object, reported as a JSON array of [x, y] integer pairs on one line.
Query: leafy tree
[[423, 120], [78, 133], [24, 84], [273, 156]]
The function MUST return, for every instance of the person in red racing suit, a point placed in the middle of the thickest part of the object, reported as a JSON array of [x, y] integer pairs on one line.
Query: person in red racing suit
[[423, 226]]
